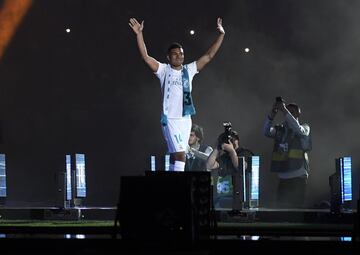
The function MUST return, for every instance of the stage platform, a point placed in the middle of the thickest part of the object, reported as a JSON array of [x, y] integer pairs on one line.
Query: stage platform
[[257, 221], [210, 247], [92, 230], [222, 214], [57, 213]]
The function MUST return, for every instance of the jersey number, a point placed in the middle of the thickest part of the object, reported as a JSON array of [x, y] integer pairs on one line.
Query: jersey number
[[187, 97], [178, 138]]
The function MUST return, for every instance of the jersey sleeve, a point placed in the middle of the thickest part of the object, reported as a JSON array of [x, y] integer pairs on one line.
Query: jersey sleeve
[[192, 68], [160, 73]]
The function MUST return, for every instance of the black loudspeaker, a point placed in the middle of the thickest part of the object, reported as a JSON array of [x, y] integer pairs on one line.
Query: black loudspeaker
[[335, 193], [1, 132], [60, 179], [165, 206]]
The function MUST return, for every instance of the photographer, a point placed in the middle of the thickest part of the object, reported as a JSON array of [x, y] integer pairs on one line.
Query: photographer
[[197, 152], [228, 158], [292, 142]]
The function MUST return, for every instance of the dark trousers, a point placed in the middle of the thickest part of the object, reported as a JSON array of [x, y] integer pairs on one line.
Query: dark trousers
[[291, 193]]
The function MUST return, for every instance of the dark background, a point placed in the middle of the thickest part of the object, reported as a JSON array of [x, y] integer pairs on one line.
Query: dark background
[[89, 91]]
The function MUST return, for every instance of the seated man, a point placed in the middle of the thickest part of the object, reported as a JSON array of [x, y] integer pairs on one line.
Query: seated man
[[197, 151], [228, 158]]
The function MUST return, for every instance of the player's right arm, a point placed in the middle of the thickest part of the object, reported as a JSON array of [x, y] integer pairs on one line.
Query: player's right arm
[[138, 28]]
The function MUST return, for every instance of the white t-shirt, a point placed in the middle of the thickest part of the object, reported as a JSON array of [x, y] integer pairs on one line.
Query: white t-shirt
[[175, 91]]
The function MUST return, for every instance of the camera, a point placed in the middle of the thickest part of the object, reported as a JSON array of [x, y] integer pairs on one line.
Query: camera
[[226, 136], [280, 99]]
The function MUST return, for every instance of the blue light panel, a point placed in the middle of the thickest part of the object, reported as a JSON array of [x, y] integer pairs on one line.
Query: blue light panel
[[346, 179]]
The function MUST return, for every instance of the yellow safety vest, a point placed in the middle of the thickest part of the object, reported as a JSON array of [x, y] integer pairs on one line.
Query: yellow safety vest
[[294, 158]]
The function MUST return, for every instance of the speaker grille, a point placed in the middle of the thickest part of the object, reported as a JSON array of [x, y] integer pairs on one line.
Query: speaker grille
[[165, 206]]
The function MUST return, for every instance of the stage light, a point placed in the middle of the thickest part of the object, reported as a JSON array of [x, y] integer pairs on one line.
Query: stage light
[[67, 30], [3, 189], [246, 50], [72, 181], [12, 13], [192, 32]]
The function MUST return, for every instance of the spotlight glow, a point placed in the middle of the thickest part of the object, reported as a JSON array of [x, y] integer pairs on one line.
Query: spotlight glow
[[68, 30], [246, 50], [12, 13], [192, 32]]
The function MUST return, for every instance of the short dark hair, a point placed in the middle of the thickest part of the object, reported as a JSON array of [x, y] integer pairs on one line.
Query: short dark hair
[[199, 131], [224, 137], [294, 105], [235, 135], [174, 45]]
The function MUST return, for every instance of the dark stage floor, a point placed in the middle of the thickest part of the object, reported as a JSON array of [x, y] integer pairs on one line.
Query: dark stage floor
[[91, 230]]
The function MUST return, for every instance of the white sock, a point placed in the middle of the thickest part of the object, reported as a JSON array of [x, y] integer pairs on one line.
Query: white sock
[[171, 167], [179, 166]]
